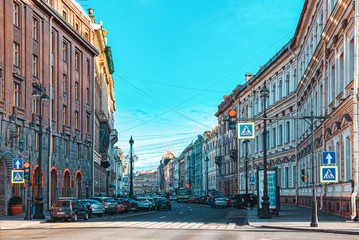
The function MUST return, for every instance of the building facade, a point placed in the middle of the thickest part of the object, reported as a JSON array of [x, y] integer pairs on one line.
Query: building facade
[[209, 168], [47, 44], [145, 183]]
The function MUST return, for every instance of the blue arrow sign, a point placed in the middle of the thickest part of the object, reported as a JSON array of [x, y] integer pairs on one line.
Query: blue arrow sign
[[329, 158], [17, 176], [246, 130], [328, 174], [17, 163], [125, 179], [252, 179]]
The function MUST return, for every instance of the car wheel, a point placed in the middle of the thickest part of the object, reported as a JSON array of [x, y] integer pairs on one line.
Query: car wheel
[[66, 219], [86, 217], [74, 217], [99, 215]]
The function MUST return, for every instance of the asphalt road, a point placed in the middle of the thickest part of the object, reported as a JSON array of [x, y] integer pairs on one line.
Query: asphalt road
[[185, 221]]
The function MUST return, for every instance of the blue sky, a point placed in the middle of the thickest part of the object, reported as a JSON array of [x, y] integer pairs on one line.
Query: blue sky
[[175, 59]]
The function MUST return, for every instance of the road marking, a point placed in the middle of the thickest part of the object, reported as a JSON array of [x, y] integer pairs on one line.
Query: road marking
[[181, 225], [180, 212], [163, 225], [197, 225], [212, 227], [222, 227], [190, 209], [231, 226], [172, 225], [189, 225], [163, 217]]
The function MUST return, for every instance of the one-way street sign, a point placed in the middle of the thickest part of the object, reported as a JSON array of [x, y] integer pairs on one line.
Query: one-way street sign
[[328, 174], [17, 163], [329, 158]]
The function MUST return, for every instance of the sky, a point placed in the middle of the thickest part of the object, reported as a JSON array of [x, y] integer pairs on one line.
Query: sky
[[176, 59]]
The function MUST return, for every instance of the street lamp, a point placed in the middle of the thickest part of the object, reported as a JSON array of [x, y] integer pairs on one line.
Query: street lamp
[[265, 204], [246, 163], [39, 92]]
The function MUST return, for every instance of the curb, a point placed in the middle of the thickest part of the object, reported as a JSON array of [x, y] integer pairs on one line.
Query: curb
[[309, 229]]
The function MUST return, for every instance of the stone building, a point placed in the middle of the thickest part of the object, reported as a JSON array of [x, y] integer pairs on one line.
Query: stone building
[[209, 168], [105, 134], [145, 183], [120, 169], [46, 43]]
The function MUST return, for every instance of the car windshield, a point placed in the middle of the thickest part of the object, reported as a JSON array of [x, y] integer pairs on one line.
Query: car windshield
[[220, 199], [142, 199], [109, 200], [85, 202], [62, 204]]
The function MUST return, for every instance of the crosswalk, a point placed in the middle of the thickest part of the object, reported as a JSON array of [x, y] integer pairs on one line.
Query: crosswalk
[[143, 224]]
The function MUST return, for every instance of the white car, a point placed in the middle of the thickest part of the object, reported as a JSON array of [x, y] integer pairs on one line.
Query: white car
[[145, 203]]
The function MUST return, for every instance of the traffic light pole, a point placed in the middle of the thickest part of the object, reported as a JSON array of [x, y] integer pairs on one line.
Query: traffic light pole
[[310, 121]]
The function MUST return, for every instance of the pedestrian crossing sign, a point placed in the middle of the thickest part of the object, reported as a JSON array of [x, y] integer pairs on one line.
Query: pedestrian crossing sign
[[17, 176], [328, 174], [246, 130]]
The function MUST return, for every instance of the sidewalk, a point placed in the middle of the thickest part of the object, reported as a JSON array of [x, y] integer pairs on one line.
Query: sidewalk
[[299, 218], [15, 222]]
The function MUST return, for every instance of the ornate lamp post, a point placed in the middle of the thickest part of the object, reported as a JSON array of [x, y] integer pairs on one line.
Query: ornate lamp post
[[39, 92], [265, 204]]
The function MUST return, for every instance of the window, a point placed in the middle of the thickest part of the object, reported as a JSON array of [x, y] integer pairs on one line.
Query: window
[[274, 137], [286, 177], [88, 68], [64, 110], [338, 159], [287, 130], [351, 61], [64, 83], [77, 119], [287, 85], [34, 105], [35, 29], [280, 133], [66, 148], [36, 140], [64, 15], [280, 90], [87, 95], [273, 94], [293, 176], [16, 94], [279, 177], [77, 90], [77, 59], [348, 160], [341, 73], [53, 144], [88, 124], [35, 65], [52, 41], [18, 133], [77, 150], [16, 54], [16, 14], [77, 26], [64, 51], [332, 83]]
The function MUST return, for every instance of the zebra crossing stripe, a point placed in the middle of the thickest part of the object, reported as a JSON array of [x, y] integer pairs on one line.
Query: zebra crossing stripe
[[231, 226], [189, 225], [197, 225], [212, 227], [147, 224], [172, 225], [222, 227], [181, 225], [163, 225]]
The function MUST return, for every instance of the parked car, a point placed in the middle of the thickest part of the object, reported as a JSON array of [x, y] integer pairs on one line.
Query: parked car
[[203, 200], [144, 203], [173, 197], [237, 201], [191, 199], [120, 208], [110, 204], [163, 203], [66, 209], [250, 199], [220, 202], [133, 205], [94, 207], [126, 204]]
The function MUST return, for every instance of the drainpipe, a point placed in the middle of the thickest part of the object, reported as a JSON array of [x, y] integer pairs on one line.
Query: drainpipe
[[296, 127], [93, 131], [50, 117], [355, 113]]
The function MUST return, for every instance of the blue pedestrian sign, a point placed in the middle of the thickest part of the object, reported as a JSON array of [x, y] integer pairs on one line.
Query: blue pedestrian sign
[[329, 158], [328, 174], [17, 163], [252, 179], [125, 179], [17, 176], [246, 130]]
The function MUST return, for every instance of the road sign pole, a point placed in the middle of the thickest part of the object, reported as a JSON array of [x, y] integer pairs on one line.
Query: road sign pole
[[314, 222]]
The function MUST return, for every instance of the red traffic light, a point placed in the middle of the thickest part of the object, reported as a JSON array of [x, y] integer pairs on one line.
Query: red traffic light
[[232, 113], [26, 164]]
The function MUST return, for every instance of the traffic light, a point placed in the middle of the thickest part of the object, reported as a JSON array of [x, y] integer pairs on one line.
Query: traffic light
[[26, 170], [303, 175], [232, 119]]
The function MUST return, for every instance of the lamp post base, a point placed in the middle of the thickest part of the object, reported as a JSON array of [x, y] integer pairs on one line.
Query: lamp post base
[[39, 209], [314, 224], [265, 211]]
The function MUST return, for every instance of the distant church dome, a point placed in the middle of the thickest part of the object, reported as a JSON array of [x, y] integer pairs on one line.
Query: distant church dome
[[168, 155]]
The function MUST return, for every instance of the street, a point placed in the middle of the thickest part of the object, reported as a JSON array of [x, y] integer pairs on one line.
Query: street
[[185, 221]]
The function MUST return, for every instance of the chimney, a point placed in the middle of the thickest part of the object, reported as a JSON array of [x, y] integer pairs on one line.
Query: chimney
[[248, 76]]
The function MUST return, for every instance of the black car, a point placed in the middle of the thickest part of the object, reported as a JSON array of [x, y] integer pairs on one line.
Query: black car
[[250, 199], [163, 203], [237, 201], [133, 205], [68, 209]]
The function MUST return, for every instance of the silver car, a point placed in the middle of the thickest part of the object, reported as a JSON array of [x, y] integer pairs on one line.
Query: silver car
[[145, 203], [94, 206], [220, 202], [109, 204]]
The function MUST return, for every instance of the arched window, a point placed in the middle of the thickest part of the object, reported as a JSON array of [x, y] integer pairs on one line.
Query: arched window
[[256, 106], [280, 90], [294, 79], [273, 94], [287, 85]]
